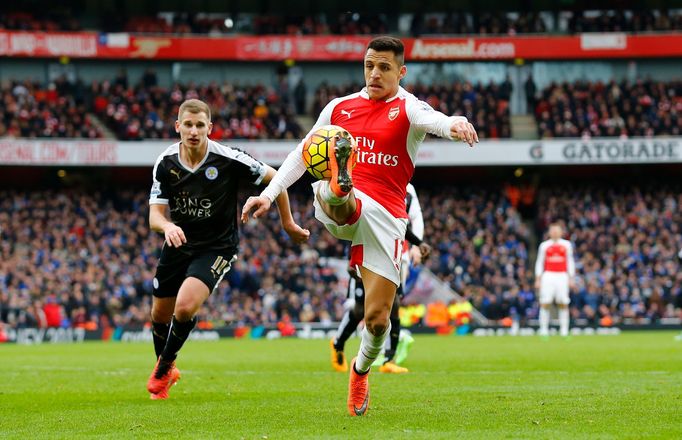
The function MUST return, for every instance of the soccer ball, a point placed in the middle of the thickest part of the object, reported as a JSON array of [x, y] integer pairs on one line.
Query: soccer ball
[[318, 147]]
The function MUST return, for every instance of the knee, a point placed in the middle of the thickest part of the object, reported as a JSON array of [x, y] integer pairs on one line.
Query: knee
[[184, 311], [161, 315], [377, 321]]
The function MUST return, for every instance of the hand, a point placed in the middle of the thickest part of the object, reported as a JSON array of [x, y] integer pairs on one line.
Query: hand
[[260, 204], [463, 130], [537, 282], [175, 237], [571, 284], [297, 233], [415, 255], [425, 251]]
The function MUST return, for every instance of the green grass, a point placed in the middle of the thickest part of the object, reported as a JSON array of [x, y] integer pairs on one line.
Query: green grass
[[606, 387]]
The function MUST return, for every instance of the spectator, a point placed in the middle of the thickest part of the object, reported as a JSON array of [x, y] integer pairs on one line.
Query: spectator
[[587, 109]]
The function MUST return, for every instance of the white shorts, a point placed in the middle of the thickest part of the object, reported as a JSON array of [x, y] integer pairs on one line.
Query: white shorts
[[554, 288], [376, 236]]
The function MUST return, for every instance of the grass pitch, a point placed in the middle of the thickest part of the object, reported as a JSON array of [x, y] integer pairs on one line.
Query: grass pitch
[[606, 387]]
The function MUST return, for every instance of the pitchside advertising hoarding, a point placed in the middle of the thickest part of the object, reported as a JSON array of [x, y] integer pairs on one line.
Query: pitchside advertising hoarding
[[50, 152], [338, 48], [37, 336]]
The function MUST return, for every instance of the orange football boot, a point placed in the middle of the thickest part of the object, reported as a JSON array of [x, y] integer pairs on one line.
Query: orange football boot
[[342, 163], [358, 392], [390, 367], [160, 380], [338, 358], [175, 377]]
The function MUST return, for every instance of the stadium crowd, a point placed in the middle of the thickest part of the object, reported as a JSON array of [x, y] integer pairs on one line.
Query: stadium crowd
[[29, 109], [628, 242], [73, 258], [141, 111], [585, 109], [78, 259], [354, 23], [148, 111]]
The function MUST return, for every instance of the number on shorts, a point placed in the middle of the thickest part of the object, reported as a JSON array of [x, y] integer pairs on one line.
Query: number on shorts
[[219, 265]]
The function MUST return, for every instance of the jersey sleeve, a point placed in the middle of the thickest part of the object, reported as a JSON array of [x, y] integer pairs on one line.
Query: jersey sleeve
[[424, 118], [415, 214], [293, 167], [248, 168], [159, 192], [540, 261]]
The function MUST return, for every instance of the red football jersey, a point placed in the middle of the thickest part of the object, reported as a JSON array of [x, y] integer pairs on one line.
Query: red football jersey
[[555, 256], [388, 134]]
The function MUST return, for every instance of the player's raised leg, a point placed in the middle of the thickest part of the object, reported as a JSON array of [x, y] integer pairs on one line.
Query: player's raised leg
[[379, 295], [335, 195], [342, 163]]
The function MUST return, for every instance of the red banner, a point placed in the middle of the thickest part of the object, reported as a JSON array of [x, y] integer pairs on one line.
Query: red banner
[[334, 48]]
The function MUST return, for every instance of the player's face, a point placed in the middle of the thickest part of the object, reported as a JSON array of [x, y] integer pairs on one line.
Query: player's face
[[194, 129], [555, 232], [382, 74]]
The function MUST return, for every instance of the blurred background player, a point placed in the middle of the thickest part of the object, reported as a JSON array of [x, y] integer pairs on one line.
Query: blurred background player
[[554, 273], [414, 251], [368, 209], [198, 180]]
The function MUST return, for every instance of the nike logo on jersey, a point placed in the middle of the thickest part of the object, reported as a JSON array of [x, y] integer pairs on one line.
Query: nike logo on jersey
[[347, 113], [363, 409]]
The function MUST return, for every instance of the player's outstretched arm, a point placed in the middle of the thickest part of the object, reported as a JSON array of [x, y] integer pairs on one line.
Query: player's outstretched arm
[[423, 117], [158, 222]]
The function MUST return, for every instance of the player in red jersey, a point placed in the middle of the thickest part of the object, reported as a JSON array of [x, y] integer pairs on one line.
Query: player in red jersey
[[554, 273], [368, 209]]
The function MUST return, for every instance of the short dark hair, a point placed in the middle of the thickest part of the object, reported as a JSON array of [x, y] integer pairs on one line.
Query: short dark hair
[[386, 43]]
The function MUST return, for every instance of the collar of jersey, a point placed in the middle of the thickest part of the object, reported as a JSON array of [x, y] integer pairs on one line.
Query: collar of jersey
[[365, 95], [193, 170]]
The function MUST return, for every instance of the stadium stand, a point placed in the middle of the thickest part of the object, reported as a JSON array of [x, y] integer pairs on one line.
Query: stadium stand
[[147, 111], [71, 258], [30, 21], [431, 23], [584, 108], [142, 111], [30, 109], [627, 241]]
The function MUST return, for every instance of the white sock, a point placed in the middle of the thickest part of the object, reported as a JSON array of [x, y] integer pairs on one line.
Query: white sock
[[370, 347], [328, 195], [544, 321], [563, 321]]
